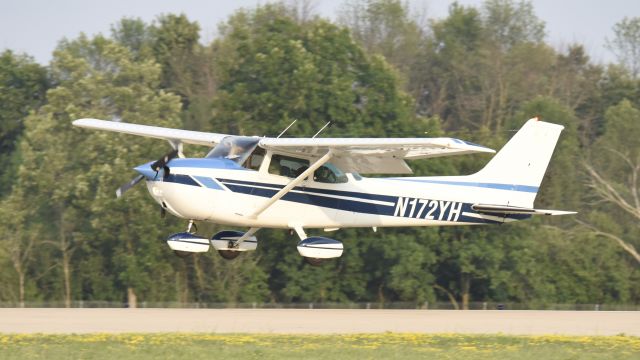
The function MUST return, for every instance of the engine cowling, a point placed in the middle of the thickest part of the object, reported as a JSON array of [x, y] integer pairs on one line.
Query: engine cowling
[[318, 247], [187, 242]]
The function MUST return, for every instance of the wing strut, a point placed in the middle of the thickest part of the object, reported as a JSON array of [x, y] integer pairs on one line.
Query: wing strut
[[293, 183], [245, 236]]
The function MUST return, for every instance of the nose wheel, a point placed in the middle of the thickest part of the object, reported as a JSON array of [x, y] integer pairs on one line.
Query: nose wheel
[[192, 228]]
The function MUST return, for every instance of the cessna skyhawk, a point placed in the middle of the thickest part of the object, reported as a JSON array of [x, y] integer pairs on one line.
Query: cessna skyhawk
[[315, 183]]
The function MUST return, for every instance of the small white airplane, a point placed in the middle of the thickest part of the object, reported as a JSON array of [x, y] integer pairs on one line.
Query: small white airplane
[[314, 183]]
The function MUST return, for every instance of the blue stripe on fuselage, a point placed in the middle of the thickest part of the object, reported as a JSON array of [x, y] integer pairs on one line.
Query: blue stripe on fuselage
[[510, 187], [316, 199], [322, 198], [364, 196]]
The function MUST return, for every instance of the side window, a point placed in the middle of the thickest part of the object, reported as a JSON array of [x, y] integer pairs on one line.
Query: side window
[[330, 174], [255, 159], [287, 166]]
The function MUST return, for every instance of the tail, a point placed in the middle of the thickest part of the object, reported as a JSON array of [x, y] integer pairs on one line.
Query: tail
[[522, 162]]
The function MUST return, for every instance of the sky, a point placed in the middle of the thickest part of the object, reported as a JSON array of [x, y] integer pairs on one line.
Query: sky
[[35, 26]]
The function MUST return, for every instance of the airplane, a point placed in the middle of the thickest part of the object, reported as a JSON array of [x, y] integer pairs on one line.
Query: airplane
[[315, 183]]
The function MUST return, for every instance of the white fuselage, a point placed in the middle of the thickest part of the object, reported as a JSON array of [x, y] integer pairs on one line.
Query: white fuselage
[[201, 189]]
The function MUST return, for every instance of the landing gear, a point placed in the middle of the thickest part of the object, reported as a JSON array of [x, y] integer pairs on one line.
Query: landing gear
[[186, 243], [193, 226], [230, 244], [317, 250], [314, 261], [182, 254], [229, 254]]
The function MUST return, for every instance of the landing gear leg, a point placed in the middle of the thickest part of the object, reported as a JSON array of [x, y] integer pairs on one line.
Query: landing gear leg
[[192, 225], [186, 254]]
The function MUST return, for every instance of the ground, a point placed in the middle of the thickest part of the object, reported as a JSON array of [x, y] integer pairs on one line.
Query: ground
[[354, 346]]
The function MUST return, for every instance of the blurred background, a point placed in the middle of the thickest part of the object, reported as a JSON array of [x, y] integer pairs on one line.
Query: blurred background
[[476, 70]]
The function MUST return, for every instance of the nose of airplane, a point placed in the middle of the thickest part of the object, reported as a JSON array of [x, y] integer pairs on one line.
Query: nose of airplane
[[146, 170]]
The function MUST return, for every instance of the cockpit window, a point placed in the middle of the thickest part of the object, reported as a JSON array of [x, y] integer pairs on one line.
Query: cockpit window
[[236, 148], [287, 166], [330, 174]]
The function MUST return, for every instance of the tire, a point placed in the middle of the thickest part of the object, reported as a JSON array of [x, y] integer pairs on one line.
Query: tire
[[182, 254], [229, 254], [314, 261]]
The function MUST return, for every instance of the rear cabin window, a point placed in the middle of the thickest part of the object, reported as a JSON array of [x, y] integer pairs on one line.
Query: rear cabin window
[[287, 166]]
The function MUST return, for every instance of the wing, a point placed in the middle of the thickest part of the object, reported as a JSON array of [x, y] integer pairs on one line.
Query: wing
[[173, 135], [364, 155], [373, 155]]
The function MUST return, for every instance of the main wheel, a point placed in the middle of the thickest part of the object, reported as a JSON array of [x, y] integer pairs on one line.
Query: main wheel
[[314, 261], [229, 254], [182, 254]]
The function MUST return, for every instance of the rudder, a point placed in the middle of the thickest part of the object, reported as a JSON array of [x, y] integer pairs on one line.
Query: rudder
[[523, 161]]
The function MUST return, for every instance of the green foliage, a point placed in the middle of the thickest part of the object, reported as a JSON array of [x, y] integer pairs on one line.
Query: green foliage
[[626, 44], [276, 70], [613, 174], [509, 23], [23, 84]]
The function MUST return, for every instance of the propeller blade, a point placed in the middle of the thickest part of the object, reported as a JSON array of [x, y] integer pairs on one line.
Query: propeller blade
[[162, 162], [128, 185]]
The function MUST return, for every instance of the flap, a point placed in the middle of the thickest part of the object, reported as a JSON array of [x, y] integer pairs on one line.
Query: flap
[[373, 155]]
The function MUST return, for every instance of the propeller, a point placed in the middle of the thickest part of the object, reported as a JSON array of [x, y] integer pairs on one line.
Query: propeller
[[122, 189], [155, 166], [162, 162]]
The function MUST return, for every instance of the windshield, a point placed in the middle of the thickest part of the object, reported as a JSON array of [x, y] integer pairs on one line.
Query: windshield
[[236, 148]]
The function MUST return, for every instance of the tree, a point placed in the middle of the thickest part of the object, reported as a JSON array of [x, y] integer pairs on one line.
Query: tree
[[23, 84], [96, 78], [175, 43], [613, 171], [18, 239], [187, 68], [276, 70], [626, 44], [135, 35], [384, 27], [509, 23]]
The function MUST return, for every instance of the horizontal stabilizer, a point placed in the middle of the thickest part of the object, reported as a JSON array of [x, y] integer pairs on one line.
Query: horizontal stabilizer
[[504, 209]]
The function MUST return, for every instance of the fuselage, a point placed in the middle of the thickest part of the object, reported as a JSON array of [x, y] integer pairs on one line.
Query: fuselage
[[223, 192]]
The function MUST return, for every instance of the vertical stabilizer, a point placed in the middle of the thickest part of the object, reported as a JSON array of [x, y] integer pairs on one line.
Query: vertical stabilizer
[[523, 161]]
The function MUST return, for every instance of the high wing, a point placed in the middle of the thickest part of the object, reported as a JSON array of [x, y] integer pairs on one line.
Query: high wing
[[373, 155], [171, 135], [364, 155]]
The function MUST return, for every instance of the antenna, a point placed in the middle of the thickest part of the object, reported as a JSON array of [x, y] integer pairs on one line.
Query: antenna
[[287, 128], [319, 131]]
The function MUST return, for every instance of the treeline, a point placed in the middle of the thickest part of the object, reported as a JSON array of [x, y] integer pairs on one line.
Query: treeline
[[378, 70]]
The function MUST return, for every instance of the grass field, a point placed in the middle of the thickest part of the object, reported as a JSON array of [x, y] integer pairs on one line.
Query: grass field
[[361, 346]]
